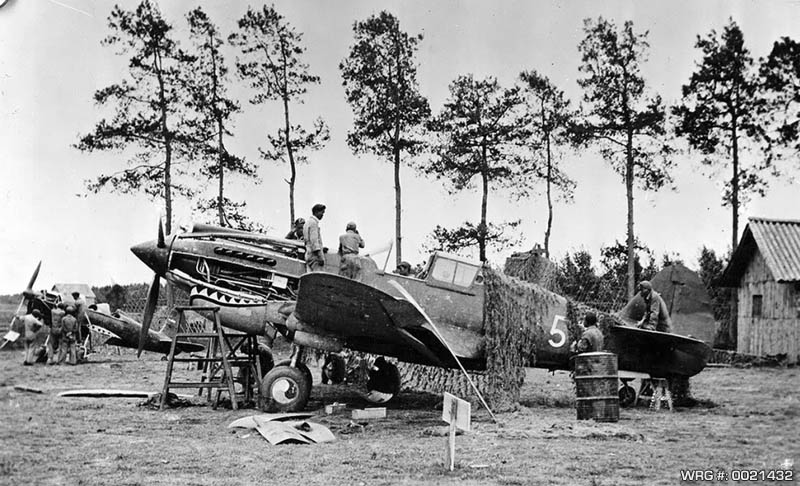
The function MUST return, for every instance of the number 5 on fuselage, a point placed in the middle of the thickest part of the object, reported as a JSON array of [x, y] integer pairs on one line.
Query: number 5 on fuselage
[[559, 331]]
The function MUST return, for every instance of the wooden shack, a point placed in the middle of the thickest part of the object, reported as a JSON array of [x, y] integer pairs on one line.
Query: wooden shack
[[66, 289], [765, 268]]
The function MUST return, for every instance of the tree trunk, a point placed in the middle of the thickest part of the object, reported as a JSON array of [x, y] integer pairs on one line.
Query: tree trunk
[[735, 186], [482, 229], [398, 201], [549, 201], [220, 131], [290, 154], [398, 213], [221, 168], [288, 131], [629, 193], [167, 137]]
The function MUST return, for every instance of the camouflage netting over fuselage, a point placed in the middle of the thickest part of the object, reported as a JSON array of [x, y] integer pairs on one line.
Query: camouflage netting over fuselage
[[514, 315], [533, 267]]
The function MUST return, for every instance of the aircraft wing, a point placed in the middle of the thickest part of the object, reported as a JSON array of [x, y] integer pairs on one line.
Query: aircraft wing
[[369, 320], [659, 353]]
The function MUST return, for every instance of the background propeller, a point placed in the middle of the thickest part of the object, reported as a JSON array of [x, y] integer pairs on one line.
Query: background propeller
[[149, 310], [26, 294], [152, 297], [29, 288]]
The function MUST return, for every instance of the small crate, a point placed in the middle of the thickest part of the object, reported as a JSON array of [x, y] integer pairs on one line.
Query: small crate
[[369, 413], [335, 408]]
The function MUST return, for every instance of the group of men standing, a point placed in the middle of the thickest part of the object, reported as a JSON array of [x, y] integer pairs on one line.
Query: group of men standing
[[62, 336], [350, 242]]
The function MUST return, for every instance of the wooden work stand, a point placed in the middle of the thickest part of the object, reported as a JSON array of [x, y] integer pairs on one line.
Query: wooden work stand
[[224, 352]]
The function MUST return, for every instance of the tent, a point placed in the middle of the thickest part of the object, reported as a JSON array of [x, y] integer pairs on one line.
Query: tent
[[688, 302]]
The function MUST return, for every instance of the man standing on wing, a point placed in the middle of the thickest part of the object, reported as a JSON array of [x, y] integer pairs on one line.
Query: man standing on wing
[[315, 259]]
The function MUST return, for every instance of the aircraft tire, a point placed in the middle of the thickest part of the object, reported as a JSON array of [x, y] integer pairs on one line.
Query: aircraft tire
[[303, 368], [627, 396], [285, 389]]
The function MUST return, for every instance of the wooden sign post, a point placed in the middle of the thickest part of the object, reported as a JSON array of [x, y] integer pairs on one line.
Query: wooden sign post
[[10, 337], [455, 412]]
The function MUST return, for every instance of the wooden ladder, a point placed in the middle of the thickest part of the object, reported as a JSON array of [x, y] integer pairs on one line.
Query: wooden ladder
[[220, 359]]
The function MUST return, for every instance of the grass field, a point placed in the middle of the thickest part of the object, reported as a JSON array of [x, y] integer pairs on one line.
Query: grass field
[[751, 419]]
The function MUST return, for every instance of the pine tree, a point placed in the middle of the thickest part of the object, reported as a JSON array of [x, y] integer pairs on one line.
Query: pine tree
[[620, 117], [272, 61], [149, 108], [380, 79]]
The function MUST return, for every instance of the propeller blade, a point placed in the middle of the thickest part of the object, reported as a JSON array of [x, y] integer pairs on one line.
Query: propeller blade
[[161, 242], [149, 310], [34, 276], [27, 293]]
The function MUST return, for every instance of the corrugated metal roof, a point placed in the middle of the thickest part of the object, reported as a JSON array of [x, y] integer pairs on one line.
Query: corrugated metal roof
[[779, 243]]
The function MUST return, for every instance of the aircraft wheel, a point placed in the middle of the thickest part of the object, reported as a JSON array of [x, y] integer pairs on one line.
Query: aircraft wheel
[[285, 389], [334, 369], [627, 396], [303, 368], [387, 377]]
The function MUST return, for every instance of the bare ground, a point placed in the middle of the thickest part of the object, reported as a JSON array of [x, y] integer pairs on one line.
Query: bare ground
[[750, 418]]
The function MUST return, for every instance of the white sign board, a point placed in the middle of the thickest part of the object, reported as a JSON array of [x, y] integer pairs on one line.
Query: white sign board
[[11, 336], [456, 411]]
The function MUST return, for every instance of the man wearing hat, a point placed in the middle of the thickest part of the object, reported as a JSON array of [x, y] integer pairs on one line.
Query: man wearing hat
[[647, 310], [349, 243], [296, 232], [404, 269], [56, 315], [69, 335], [83, 321], [592, 339], [315, 259]]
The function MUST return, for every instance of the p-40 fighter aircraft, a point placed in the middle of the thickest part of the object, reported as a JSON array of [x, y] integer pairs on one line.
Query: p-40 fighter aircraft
[[120, 329], [259, 283]]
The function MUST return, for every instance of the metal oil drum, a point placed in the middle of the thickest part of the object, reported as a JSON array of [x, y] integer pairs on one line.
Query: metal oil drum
[[596, 383]]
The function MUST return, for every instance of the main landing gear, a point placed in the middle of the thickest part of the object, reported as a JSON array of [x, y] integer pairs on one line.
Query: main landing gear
[[287, 386]]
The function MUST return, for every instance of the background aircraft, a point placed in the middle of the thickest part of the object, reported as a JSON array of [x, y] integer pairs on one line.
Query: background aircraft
[[260, 284], [120, 329]]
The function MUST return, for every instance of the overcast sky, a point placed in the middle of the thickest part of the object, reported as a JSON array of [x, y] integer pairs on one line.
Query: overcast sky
[[51, 63]]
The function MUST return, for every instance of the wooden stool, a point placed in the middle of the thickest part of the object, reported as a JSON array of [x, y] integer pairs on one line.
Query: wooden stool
[[660, 391]]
